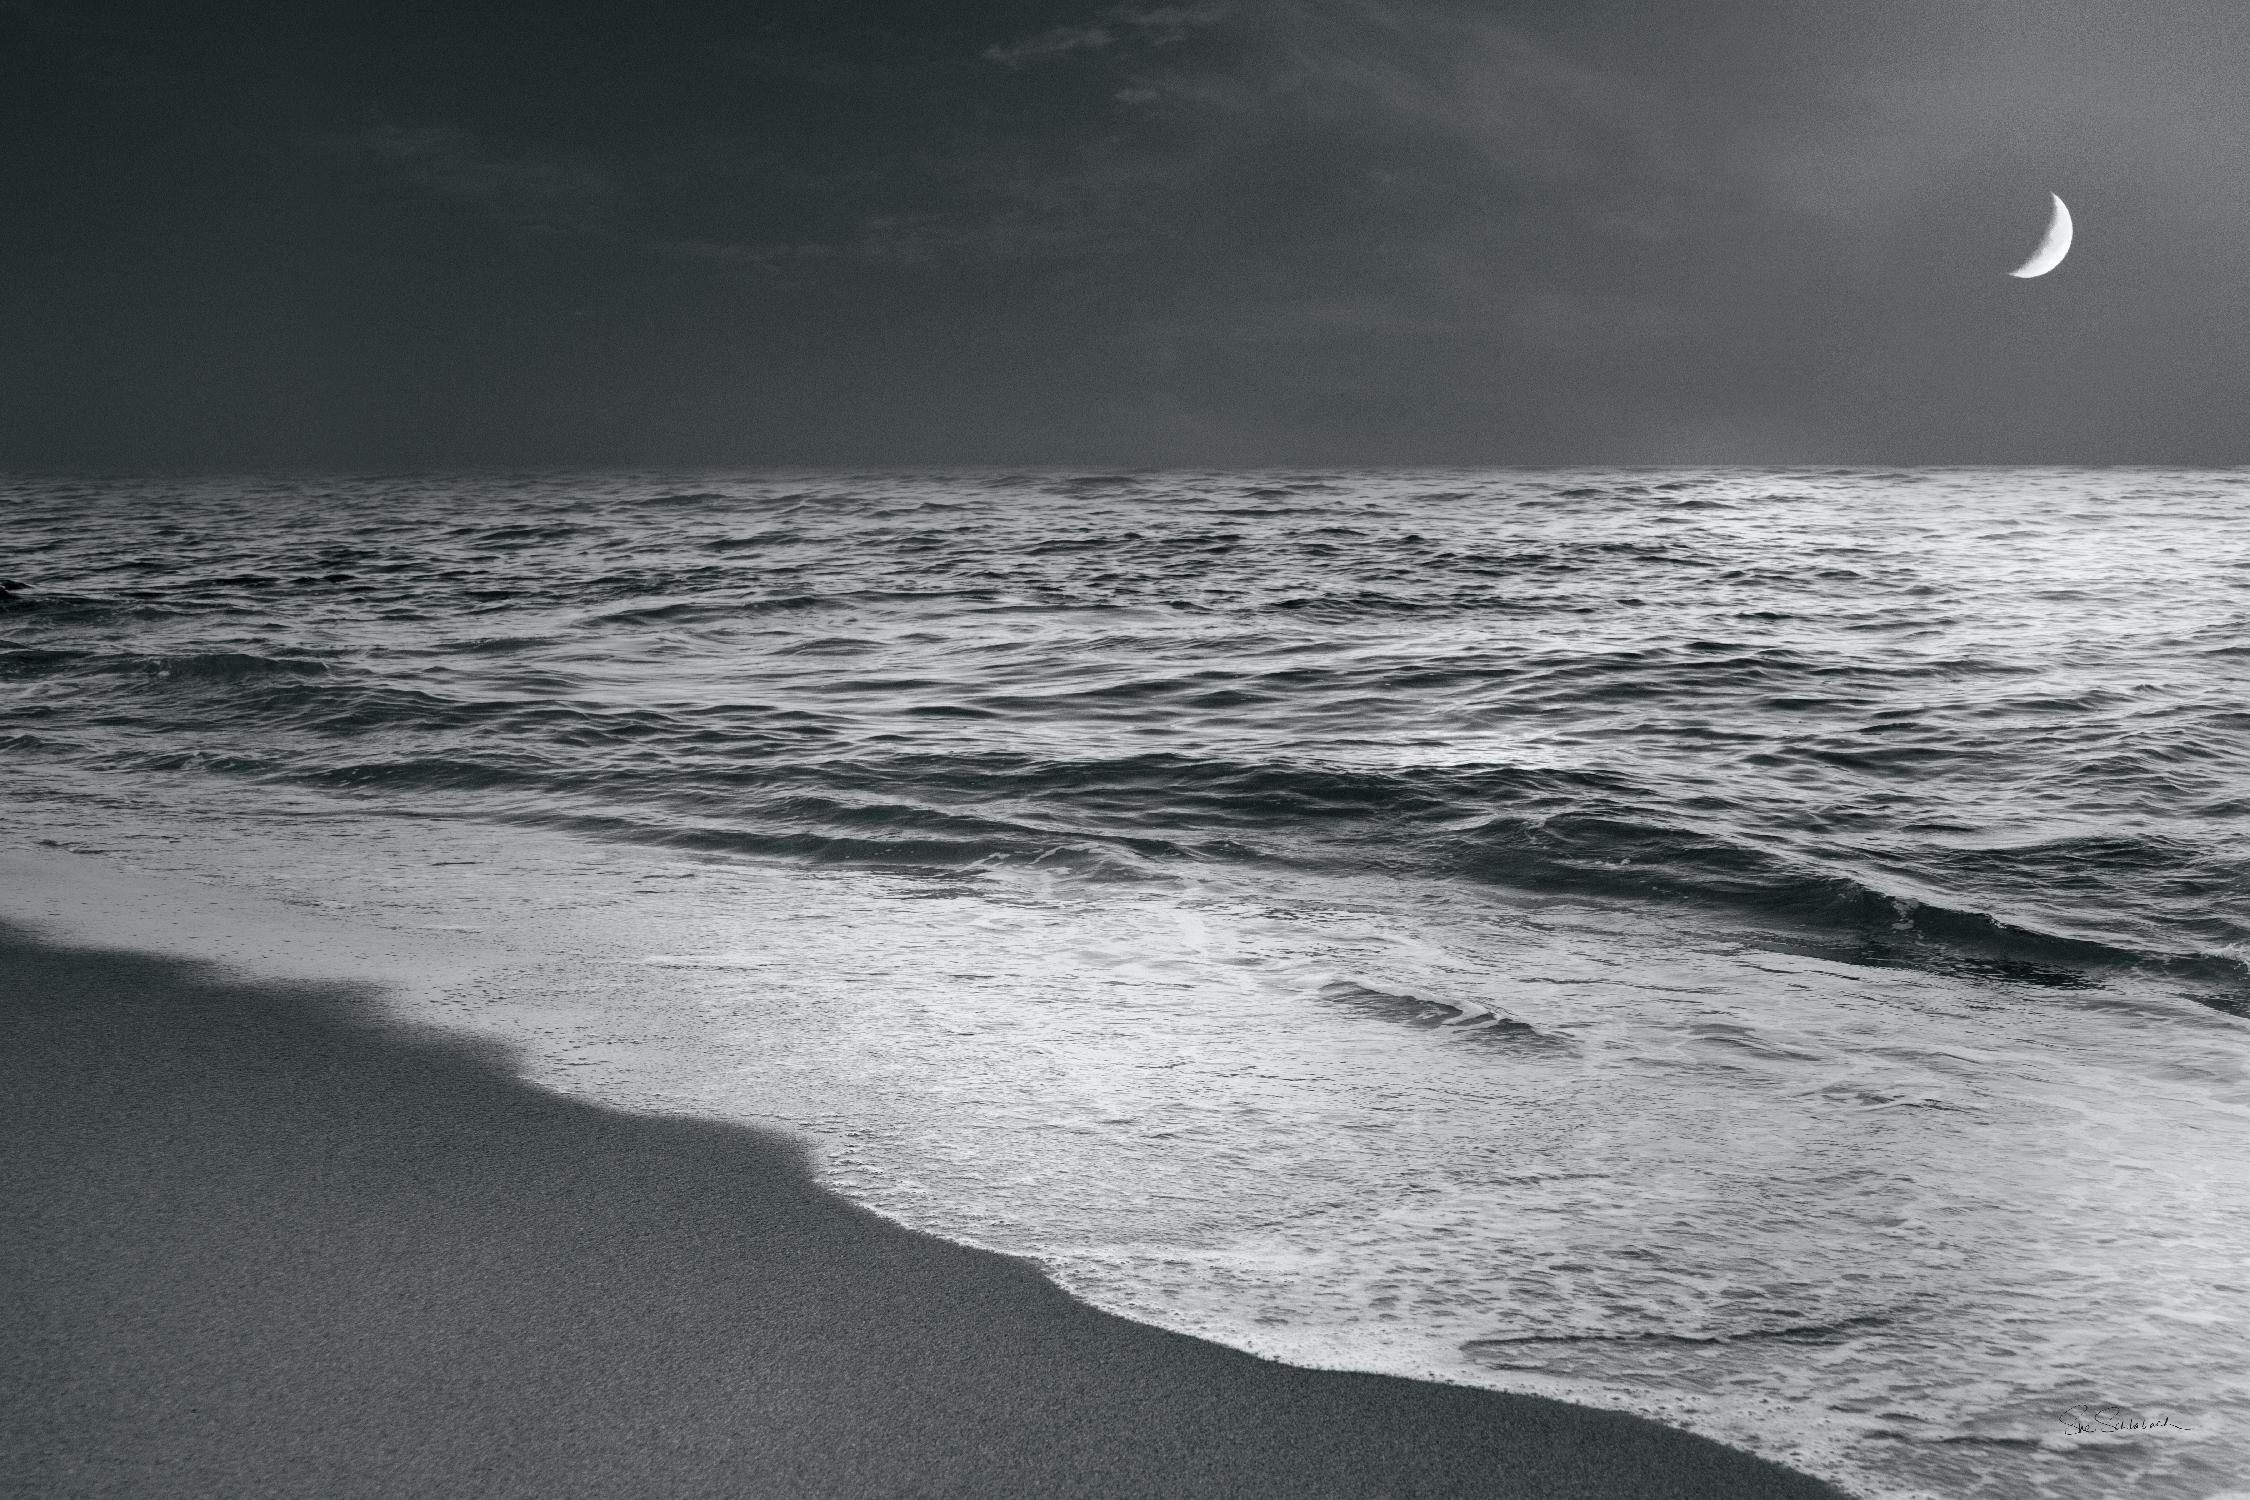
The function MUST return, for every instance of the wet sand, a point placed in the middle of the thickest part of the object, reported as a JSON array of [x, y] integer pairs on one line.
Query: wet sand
[[259, 1241]]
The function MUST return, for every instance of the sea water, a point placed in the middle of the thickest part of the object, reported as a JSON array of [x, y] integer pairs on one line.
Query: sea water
[[1770, 950]]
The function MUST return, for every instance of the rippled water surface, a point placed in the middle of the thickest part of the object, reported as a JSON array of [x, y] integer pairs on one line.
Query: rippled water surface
[[1767, 949]]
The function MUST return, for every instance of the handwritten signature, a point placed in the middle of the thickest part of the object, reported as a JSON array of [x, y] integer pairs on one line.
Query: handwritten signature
[[2090, 1417]]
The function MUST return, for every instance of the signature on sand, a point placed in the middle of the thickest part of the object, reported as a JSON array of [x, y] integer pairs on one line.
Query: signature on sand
[[2093, 1417]]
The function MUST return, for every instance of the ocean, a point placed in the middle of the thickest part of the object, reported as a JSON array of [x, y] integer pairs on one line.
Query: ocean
[[1765, 949]]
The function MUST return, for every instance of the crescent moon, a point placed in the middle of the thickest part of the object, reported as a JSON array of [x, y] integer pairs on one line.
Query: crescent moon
[[2053, 248]]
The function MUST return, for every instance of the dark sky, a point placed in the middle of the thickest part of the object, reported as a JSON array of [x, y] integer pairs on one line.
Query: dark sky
[[248, 235]]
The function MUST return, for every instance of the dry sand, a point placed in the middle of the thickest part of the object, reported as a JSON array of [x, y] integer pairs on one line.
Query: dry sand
[[258, 1241]]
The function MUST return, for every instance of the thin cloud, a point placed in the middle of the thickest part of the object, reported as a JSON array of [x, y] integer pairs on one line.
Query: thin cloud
[[1330, 170], [525, 191], [1158, 26]]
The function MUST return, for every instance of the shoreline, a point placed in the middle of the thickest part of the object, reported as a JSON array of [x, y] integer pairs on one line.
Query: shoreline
[[272, 1240]]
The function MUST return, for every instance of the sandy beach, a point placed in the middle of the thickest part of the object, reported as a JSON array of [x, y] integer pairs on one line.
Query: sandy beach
[[261, 1241]]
